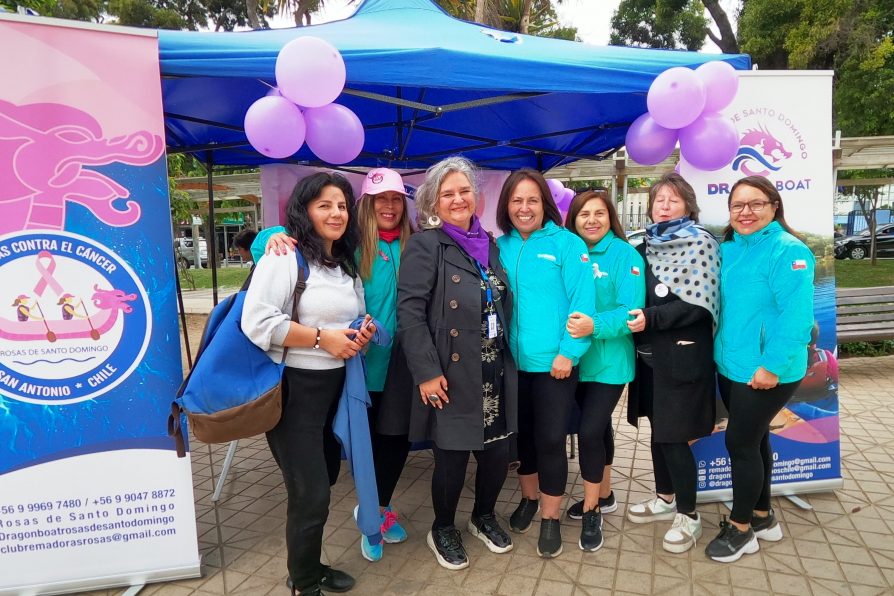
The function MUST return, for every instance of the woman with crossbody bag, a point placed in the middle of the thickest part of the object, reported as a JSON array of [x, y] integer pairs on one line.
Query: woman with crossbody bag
[[320, 217]]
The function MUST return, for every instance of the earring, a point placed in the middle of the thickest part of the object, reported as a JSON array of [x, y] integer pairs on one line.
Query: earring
[[434, 221]]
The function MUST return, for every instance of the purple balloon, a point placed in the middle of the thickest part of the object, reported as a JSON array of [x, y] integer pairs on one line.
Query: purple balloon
[[275, 127], [310, 72], [555, 188], [676, 97], [564, 200], [648, 142], [721, 83], [709, 143], [334, 133]]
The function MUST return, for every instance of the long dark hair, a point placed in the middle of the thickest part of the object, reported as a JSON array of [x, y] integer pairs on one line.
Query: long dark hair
[[301, 228], [580, 200], [683, 190], [772, 194], [550, 211]]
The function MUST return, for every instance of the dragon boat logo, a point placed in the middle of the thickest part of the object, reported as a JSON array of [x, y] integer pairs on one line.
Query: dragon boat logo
[[770, 138], [74, 318]]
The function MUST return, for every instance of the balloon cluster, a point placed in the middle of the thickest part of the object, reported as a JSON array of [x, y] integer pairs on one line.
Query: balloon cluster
[[561, 195], [310, 74], [685, 105]]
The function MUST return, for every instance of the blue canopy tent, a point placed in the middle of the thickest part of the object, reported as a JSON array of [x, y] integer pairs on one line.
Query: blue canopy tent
[[425, 85]]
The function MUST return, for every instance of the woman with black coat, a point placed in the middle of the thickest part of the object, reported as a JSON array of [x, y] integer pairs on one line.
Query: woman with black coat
[[453, 303], [675, 384]]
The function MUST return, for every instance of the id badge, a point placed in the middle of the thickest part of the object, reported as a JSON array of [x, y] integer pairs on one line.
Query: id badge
[[491, 326]]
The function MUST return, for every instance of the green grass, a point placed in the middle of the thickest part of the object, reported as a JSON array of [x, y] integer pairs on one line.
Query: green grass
[[228, 277], [860, 274]]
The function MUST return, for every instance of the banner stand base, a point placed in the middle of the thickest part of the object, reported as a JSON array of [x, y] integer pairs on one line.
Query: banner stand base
[[133, 590], [801, 503]]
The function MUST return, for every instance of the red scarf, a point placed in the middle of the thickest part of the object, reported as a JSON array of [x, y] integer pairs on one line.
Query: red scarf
[[389, 235]]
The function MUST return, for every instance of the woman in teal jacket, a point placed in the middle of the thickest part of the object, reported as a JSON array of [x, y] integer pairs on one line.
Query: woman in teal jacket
[[609, 364], [384, 223], [766, 317], [550, 276]]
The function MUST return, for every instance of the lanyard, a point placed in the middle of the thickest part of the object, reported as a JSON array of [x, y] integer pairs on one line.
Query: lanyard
[[486, 280]]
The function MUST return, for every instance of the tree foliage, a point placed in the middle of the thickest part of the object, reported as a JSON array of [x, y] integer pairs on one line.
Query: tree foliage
[[855, 38], [670, 24]]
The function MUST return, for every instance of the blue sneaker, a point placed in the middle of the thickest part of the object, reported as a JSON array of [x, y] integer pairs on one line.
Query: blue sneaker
[[370, 552], [392, 531]]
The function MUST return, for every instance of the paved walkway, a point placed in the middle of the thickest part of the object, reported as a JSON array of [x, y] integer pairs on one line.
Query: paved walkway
[[202, 301], [845, 545]]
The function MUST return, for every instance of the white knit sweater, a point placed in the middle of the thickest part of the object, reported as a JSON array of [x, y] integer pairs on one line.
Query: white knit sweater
[[332, 300]]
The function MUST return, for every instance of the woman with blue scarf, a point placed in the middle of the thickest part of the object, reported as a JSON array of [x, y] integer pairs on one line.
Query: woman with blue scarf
[[675, 385]]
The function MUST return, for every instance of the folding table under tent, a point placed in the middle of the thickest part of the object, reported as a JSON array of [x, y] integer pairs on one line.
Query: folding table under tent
[[425, 85]]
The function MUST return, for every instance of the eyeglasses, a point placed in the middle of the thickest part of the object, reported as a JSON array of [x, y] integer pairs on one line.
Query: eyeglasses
[[755, 206]]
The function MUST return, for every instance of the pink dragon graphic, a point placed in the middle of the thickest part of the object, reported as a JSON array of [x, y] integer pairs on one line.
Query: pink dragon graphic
[[759, 147], [45, 152]]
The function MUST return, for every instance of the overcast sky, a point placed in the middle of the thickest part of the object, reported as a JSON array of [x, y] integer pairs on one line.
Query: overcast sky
[[591, 17]]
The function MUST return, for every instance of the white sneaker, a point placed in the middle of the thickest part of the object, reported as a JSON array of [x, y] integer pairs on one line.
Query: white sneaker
[[653, 510], [683, 534]]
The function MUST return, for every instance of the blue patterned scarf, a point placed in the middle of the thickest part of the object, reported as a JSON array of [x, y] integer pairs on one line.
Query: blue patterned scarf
[[685, 257]]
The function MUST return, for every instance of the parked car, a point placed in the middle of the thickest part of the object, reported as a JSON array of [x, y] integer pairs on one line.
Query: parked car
[[857, 247], [636, 237], [184, 249]]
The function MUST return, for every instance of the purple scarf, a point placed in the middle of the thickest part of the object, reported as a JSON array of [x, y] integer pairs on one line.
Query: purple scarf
[[475, 242]]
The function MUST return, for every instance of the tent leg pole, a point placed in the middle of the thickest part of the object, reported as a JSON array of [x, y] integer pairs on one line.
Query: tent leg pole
[[212, 228], [222, 479]]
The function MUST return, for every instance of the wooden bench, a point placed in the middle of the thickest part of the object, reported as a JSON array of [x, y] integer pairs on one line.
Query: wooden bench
[[865, 314]]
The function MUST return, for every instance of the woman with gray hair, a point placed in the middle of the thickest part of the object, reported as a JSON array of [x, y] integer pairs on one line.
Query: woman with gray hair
[[453, 304]]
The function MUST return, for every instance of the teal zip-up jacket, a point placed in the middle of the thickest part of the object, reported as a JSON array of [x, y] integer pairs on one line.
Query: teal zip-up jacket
[[619, 276], [766, 305], [550, 277], [381, 300]]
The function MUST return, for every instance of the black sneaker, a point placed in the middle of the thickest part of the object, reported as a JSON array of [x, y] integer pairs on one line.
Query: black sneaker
[[591, 531], [606, 505], [487, 529], [550, 542], [766, 528], [334, 580], [447, 544], [731, 543], [521, 518], [313, 590]]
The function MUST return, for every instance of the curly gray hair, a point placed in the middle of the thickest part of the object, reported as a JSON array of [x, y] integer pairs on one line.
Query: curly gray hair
[[427, 192]]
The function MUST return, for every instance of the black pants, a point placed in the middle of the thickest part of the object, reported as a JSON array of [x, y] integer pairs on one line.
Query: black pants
[[596, 401], [449, 476], [672, 463], [389, 453], [748, 442], [309, 457], [544, 407]]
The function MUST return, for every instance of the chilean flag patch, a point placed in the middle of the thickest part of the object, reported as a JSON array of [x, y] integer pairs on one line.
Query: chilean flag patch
[[585, 258], [634, 270], [799, 264]]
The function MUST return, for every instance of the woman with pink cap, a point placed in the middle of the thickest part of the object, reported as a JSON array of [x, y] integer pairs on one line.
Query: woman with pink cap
[[382, 215]]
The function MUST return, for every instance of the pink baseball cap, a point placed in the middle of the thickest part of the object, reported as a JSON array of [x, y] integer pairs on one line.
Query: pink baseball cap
[[382, 180]]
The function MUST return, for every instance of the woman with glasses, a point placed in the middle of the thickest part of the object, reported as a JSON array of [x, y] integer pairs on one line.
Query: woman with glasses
[[675, 383], [766, 297]]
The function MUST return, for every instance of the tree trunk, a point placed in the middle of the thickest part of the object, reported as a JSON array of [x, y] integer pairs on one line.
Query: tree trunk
[[727, 41], [251, 9], [480, 9], [525, 17]]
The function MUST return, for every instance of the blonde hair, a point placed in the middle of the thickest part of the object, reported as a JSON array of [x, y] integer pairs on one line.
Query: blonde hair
[[369, 233]]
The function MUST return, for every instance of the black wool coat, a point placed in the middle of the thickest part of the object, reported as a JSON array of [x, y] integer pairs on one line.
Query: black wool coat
[[439, 333], [684, 385]]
